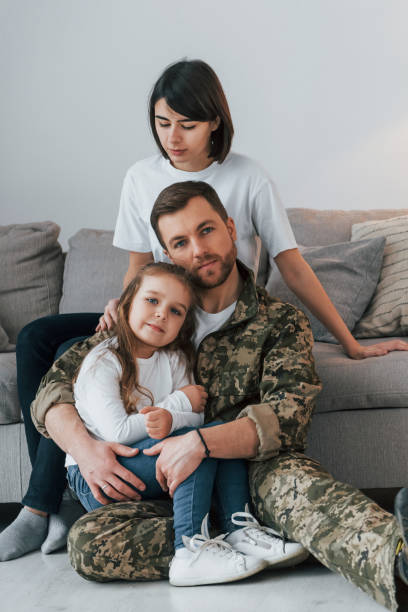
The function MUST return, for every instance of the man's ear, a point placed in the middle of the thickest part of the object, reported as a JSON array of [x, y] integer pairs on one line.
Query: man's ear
[[231, 228]]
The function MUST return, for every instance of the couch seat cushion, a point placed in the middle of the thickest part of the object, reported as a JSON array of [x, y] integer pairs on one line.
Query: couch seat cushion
[[349, 384], [9, 405]]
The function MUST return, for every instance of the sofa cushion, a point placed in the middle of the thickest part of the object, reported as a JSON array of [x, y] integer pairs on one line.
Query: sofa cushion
[[313, 227], [348, 271], [93, 273], [5, 346], [320, 227], [387, 314], [30, 274], [348, 384], [9, 405]]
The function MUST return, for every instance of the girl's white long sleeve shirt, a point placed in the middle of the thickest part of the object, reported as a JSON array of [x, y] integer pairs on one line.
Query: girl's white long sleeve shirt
[[100, 406]]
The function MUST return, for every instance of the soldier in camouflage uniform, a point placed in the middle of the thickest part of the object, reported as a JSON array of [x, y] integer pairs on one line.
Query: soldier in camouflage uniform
[[258, 366]]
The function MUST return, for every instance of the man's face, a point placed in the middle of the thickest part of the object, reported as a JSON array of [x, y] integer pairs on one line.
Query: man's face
[[199, 240]]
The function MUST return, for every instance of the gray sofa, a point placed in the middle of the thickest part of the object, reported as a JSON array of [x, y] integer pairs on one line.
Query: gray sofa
[[360, 426]]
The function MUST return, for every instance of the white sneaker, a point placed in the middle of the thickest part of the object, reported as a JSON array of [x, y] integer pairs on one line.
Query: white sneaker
[[211, 561], [264, 542]]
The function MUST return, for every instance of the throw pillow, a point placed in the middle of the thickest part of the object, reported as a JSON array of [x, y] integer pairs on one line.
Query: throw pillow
[[30, 274], [348, 271], [387, 314]]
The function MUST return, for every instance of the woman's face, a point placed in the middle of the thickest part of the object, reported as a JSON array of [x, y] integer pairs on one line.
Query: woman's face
[[186, 142]]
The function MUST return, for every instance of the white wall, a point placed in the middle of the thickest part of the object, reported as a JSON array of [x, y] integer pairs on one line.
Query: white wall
[[318, 91]]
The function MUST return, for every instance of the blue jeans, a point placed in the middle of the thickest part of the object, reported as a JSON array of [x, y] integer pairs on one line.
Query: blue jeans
[[37, 349], [226, 478]]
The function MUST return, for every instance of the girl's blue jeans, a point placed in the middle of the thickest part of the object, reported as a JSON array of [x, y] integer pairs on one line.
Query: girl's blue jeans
[[227, 479]]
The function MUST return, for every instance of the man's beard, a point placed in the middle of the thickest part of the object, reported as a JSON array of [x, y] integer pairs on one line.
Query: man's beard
[[212, 280]]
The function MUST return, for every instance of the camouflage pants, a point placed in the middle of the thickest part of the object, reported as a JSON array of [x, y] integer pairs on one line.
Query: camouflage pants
[[341, 527]]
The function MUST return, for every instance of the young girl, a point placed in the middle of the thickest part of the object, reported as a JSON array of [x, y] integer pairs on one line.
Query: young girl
[[136, 388]]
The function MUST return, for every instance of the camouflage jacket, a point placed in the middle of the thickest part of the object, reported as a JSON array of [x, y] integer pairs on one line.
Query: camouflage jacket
[[259, 364]]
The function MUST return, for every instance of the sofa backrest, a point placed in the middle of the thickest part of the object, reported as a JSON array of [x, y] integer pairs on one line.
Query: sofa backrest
[[94, 269], [314, 227], [93, 273]]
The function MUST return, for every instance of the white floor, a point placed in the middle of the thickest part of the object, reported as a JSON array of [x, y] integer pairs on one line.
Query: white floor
[[47, 583]]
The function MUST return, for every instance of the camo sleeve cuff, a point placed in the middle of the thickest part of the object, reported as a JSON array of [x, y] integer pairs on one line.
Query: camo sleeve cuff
[[53, 393], [267, 428]]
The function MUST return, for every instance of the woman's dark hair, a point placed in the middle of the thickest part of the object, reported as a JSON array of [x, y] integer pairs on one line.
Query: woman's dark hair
[[175, 197], [125, 349], [191, 88]]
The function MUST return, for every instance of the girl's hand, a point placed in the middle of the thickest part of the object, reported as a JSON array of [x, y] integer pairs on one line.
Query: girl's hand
[[158, 421], [197, 396], [110, 315], [375, 350]]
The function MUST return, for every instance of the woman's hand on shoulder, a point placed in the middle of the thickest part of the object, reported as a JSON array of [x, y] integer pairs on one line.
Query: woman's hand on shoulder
[[110, 316]]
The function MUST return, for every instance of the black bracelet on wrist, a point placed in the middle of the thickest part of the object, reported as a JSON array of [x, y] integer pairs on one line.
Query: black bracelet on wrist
[[207, 450]]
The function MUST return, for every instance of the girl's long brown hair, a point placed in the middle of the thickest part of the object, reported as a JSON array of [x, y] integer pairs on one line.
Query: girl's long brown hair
[[125, 350]]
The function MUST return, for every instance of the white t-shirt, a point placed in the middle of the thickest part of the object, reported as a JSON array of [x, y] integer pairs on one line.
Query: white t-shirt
[[98, 401], [243, 187], [208, 322]]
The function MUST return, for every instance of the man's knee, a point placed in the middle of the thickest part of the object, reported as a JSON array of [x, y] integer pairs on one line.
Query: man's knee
[[123, 541], [284, 472], [278, 484], [81, 545]]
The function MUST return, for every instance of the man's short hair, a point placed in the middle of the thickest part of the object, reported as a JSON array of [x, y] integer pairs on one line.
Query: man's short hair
[[177, 196]]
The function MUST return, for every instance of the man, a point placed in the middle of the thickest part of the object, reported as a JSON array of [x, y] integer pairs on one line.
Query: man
[[255, 361]]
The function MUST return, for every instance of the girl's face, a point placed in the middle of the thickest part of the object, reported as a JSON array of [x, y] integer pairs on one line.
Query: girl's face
[[157, 312], [186, 142]]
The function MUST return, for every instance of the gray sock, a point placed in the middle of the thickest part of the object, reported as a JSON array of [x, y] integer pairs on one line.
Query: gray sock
[[59, 524], [26, 533]]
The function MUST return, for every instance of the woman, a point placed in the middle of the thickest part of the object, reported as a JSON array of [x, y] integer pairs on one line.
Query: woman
[[192, 127]]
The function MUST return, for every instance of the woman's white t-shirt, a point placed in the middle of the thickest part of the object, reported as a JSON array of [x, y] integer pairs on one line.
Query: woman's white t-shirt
[[243, 187]]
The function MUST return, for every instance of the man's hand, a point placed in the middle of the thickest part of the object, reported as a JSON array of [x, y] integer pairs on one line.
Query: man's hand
[[158, 421], [110, 316], [179, 457], [197, 396], [105, 475]]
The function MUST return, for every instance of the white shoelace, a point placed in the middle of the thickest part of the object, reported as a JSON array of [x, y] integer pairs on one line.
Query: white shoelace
[[200, 542], [255, 532]]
